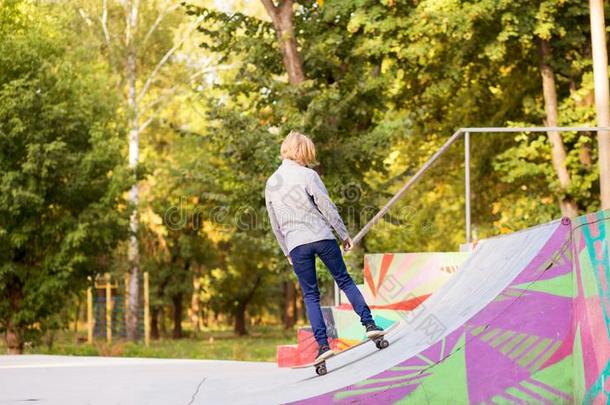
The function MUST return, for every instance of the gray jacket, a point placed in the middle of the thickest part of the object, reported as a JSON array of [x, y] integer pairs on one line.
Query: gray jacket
[[299, 207]]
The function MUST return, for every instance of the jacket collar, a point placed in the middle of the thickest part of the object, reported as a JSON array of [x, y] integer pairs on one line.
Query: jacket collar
[[290, 162]]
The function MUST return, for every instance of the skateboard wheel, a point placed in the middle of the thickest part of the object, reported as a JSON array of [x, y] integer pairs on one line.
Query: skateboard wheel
[[382, 344], [321, 370]]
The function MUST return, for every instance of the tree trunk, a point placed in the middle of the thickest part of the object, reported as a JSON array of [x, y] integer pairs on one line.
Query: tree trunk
[[240, 319], [205, 315], [77, 316], [602, 106], [294, 303], [13, 335], [239, 316], [289, 305], [195, 307], [13, 339], [154, 323], [132, 103], [558, 153], [162, 324], [177, 301], [281, 17], [302, 307]]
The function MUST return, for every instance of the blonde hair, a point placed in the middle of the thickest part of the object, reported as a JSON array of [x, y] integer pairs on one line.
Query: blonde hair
[[300, 148]]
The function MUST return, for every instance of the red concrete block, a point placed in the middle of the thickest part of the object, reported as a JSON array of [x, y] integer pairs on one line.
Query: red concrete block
[[287, 356]]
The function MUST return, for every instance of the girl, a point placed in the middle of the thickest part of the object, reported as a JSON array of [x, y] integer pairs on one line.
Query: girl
[[301, 215]]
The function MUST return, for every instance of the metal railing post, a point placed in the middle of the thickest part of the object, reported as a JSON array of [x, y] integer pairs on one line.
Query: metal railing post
[[467, 185], [337, 295]]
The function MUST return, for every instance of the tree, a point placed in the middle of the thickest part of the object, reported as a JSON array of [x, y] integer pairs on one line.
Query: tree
[[558, 152], [338, 105], [461, 64], [61, 177], [139, 48]]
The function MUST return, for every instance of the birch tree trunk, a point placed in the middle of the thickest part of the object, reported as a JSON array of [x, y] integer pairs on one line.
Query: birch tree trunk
[[602, 107], [134, 152], [558, 152]]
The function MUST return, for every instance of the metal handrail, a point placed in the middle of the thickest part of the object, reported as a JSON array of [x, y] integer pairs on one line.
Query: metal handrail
[[533, 129], [466, 132], [467, 202], [405, 187]]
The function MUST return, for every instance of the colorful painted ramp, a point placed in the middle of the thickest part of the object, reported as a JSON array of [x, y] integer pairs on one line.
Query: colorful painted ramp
[[543, 338], [395, 283]]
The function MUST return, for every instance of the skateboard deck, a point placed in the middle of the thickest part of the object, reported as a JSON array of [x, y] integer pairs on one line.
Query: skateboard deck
[[379, 341]]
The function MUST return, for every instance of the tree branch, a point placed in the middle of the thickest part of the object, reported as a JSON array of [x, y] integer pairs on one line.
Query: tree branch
[[146, 123], [85, 16], [104, 21], [165, 58], [173, 91], [160, 17], [271, 10]]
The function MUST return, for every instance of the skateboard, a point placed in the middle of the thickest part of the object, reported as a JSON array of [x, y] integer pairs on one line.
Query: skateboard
[[379, 340]]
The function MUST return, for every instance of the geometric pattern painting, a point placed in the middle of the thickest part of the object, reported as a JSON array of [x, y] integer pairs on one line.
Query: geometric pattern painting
[[402, 281], [545, 339], [393, 283], [591, 240]]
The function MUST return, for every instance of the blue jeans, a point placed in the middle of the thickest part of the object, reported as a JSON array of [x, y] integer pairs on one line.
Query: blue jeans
[[304, 265]]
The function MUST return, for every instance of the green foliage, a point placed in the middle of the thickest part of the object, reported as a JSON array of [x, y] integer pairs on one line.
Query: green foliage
[[61, 181]]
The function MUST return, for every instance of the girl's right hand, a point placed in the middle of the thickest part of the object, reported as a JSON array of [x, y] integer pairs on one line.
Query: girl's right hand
[[348, 244], [289, 259]]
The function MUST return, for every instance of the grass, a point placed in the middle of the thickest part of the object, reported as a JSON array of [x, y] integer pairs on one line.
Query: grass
[[218, 344]]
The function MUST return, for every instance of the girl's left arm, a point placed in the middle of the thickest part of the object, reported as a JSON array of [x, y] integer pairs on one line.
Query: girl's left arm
[[317, 190]]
